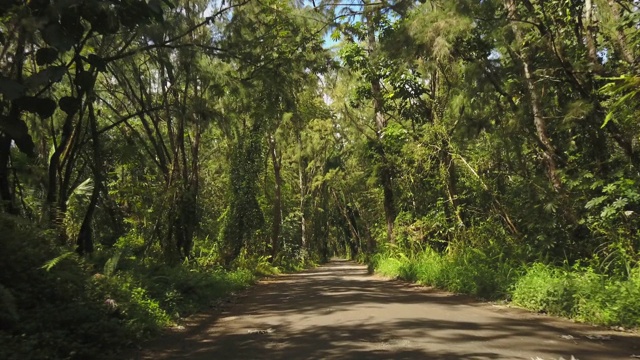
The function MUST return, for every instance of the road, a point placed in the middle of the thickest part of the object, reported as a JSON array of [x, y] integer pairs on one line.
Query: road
[[338, 311]]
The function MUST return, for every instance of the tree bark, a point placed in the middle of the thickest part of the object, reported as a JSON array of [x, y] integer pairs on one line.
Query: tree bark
[[6, 197], [549, 152], [451, 180], [85, 237], [621, 37], [277, 205], [591, 36], [386, 178], [352, 233], [301, 183]]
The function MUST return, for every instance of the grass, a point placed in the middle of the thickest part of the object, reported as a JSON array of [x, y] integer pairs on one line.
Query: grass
[[467, 272], [577, 292], [580, 293]]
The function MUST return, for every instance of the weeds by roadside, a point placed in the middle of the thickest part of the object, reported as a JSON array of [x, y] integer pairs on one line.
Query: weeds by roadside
[[578, 292], [57, 305]]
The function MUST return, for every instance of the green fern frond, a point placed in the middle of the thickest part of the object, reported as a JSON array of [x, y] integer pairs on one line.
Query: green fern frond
[[55, 261]]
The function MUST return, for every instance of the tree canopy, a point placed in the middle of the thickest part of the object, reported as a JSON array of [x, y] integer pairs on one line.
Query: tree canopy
[[227, 134]]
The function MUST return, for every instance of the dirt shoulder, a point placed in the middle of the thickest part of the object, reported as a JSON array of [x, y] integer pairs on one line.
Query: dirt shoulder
[[338, 311]]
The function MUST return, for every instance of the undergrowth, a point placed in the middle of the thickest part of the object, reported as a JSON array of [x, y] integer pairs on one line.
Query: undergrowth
[[77, 308], [468, 271], [578, 292]]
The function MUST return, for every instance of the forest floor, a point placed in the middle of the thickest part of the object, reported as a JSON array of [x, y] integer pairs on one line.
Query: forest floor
[[338, 311]]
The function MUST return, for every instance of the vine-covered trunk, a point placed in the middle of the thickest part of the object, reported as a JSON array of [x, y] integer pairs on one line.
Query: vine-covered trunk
[[277, 201], [303, 192], [381, 123]]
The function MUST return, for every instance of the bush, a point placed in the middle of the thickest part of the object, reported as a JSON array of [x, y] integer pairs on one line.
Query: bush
[[55, 305], [467, 271], [545, 288], [576, 292], [580, 293]]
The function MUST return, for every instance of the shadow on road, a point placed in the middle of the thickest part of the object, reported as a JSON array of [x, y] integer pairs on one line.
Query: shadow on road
[[338, 311]]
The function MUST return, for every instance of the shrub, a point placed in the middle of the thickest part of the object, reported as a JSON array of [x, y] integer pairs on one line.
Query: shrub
[[580, 293], [467, 271], [544, 288], [56, 306], [577, 292]]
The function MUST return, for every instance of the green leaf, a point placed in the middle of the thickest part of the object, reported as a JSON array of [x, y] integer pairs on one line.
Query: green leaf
[[44, 77], [46, 56], [69, 104], [84, 190], [18, 131], [45, 107], [54, 35], [595, 202], [112, 263], [609, 188], [335, 35], [85, 80], [550, 208], [103, 20], [156, 9], [55, 261], [71, 25], [10, 89], [170, 4], [134, 13], [97, 62], [620, 203], [42, 106]]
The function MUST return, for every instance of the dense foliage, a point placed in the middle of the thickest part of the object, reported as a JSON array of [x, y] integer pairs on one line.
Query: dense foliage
[[156, 155]]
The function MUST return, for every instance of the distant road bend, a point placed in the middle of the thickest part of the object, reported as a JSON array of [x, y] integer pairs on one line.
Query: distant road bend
[[338, 311]]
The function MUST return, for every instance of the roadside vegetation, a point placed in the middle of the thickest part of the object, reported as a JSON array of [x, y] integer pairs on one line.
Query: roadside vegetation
[[578, 291], [157, 156], [63, 306]]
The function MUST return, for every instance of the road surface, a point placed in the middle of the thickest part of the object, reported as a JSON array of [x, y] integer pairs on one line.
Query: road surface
[[338, 311]]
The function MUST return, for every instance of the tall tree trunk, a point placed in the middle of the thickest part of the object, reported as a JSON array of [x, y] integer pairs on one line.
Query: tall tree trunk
[[63, 158], [351, 234], [301, 183], [451, 181], [277, 205], [85, 237], [56, 207], [621, 37], [381, 122], [388, 201], [6, 197], [185, 217], [193, 214], [549, 152], [591, 35]]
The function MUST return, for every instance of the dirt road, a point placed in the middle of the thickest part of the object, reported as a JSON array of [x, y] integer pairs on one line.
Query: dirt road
[[338, 311]]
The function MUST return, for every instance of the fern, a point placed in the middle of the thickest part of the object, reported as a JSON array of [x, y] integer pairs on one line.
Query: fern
[[55, 261], [112, 264]]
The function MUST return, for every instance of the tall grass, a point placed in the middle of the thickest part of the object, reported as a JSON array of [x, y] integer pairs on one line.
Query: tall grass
[[577, 292], [580, 293], [467, 271]]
